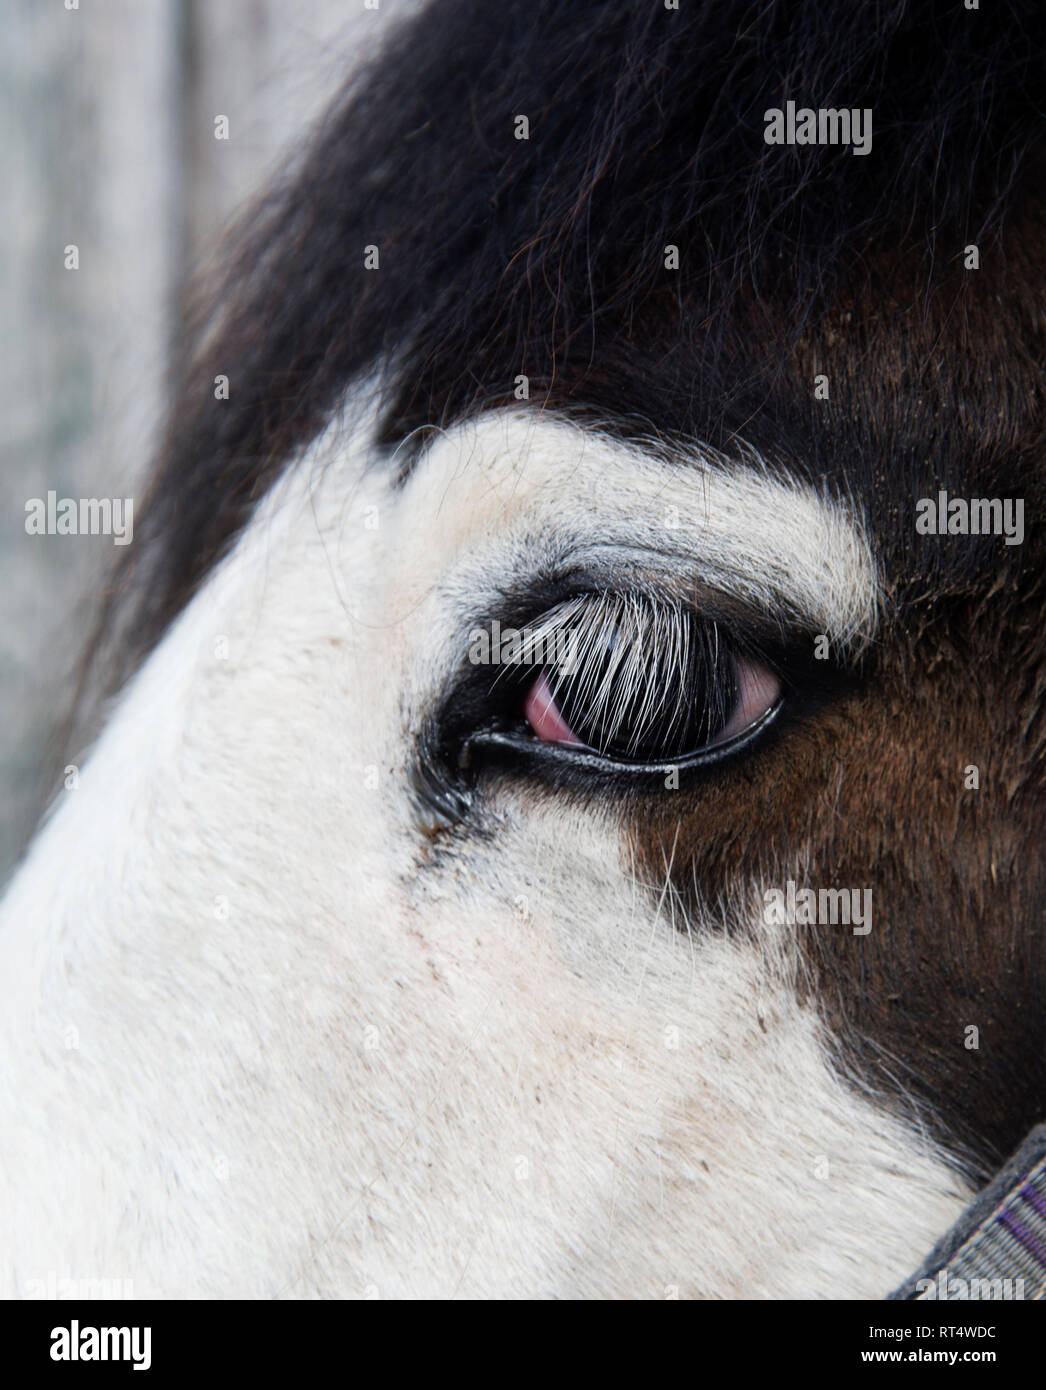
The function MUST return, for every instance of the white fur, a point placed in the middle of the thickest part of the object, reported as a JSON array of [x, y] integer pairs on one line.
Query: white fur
[[255, 1044]]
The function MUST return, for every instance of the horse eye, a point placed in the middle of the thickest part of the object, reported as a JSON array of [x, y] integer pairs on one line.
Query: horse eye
[[641, 685]]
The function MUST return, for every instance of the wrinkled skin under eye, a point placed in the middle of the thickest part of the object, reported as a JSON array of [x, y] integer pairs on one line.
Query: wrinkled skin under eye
[[646, 685]]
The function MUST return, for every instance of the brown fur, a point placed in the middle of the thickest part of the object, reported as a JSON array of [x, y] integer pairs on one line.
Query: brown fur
[[936, 390]]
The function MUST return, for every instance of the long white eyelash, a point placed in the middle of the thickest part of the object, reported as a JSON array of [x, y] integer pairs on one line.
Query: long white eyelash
[[649, 662]]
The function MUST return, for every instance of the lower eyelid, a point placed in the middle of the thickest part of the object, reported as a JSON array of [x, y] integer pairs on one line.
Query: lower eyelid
[[557, 759]]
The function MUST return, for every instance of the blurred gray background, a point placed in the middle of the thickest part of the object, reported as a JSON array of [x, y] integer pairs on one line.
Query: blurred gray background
[[107, 142]]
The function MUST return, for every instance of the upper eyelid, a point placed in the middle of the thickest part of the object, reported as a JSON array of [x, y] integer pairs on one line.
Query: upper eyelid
[[742, 523], [644, 677], [751, 627]]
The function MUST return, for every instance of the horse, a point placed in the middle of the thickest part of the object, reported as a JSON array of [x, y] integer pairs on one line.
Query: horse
[[564, 816]]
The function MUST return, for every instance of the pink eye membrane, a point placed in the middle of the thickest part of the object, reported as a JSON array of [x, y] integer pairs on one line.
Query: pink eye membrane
[[759, 689]]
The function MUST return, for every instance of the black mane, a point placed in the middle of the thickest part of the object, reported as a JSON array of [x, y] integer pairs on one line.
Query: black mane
[[546, 256]]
